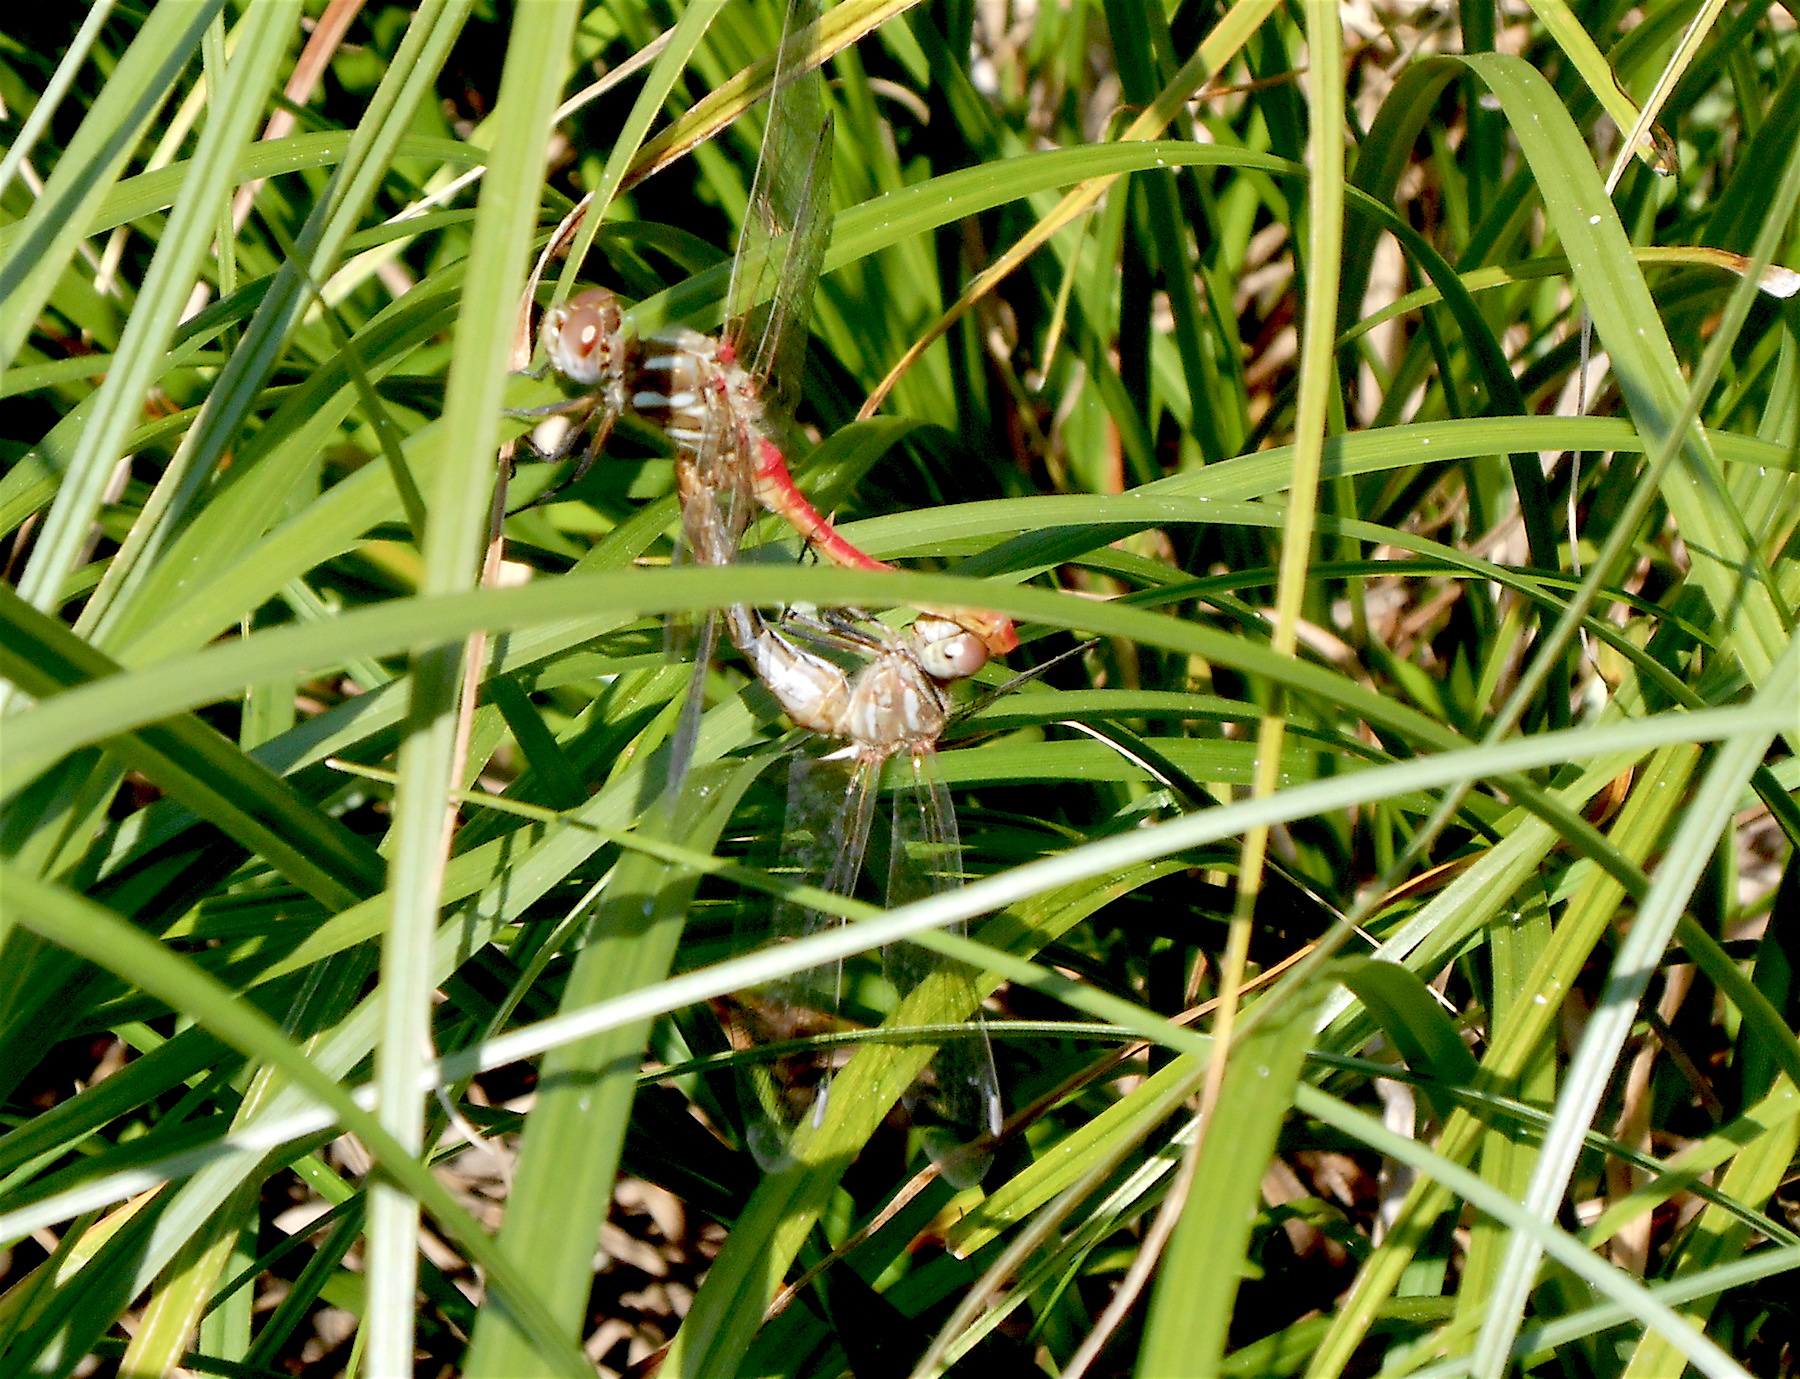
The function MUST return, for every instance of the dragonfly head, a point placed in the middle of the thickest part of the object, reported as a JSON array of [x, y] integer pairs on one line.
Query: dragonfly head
[[584, 337], [946, 650]]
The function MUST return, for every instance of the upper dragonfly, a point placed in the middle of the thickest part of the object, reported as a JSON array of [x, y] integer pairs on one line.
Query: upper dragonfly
[[724, 402]]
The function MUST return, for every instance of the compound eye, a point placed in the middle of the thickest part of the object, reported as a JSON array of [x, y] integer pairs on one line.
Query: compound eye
[[580, 337], [949, 653]]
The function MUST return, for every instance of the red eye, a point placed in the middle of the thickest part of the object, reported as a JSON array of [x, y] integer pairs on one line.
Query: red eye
[[581, 336], [946, 651]]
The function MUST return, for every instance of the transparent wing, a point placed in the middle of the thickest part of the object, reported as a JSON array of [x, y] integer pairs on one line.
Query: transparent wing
[[830, 806], [682, 639], [714, 512], [785, 232], [779, 355], [716, 502], [959, 1100]]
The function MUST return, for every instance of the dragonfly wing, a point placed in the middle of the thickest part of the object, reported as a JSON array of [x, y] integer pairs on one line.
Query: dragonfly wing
[[693, 706], [780, 355], [788, 224], [830, 806], [711, 474], [715, 509], [961, 1101], [706, 539]]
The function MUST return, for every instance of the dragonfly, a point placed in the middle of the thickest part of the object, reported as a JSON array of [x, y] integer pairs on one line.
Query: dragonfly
[[724, 402], [897, 703]]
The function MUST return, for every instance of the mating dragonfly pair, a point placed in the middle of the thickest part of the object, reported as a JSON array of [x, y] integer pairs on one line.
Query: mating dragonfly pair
[[727, 465], [715, 398]]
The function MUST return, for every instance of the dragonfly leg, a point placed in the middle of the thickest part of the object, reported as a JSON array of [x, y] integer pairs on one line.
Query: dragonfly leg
[[553, 409]]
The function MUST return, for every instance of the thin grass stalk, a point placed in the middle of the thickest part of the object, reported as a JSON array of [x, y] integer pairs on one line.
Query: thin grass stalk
[[429, 764], [1591, 1068], [50, 99], [241, 92]]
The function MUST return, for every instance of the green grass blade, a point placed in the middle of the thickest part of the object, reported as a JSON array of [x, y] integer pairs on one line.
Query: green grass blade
[[42, 245], [569, 1155], [1190, 1311]]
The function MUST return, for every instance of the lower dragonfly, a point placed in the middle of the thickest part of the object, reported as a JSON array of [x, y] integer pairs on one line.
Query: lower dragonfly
[[895, 703]]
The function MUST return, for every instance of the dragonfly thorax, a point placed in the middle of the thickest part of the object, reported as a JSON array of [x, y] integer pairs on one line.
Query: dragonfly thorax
[[691, 386], [895, 705], [688, 384]]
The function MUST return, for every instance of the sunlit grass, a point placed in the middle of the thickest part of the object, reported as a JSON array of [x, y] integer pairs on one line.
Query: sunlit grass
[[1535, 673]]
